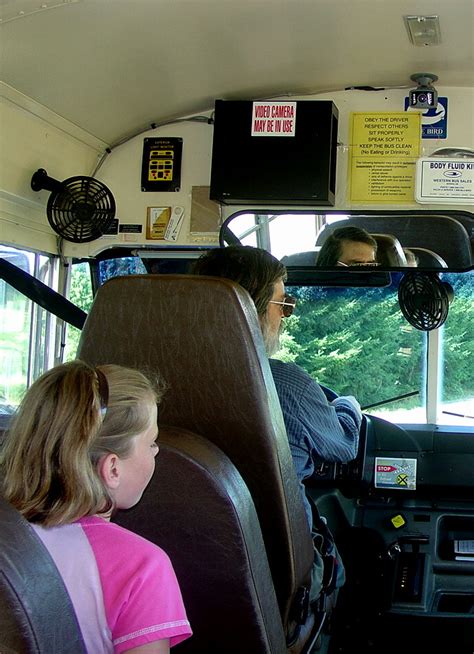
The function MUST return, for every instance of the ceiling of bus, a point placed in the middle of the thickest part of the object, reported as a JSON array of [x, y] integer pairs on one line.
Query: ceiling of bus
[[113, 67]]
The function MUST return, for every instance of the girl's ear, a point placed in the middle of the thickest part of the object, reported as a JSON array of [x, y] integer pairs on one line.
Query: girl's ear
[[108, 468]]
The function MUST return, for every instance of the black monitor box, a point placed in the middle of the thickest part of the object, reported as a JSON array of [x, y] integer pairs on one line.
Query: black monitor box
[[274, 152]]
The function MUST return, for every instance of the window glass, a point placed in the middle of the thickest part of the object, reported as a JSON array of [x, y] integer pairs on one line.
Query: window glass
[[26, 330], [118, 267], [302, 236], [244, 227], [357, 342], [80, 294], [15, 320], [43, 322], [457, 388]]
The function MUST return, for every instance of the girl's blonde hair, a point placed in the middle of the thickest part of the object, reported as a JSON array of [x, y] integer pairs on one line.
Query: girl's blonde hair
[[69, 418]]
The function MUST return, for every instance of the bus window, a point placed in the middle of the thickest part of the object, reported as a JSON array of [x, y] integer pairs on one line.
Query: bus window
[[81, 290], [457, 383], [80, 294], [26, 329], [109, 268]]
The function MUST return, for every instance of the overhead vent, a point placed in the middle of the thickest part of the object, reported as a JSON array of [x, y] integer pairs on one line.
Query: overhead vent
[[423, 30]]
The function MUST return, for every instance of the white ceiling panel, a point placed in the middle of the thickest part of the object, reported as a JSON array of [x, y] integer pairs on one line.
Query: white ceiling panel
[[115, 66]]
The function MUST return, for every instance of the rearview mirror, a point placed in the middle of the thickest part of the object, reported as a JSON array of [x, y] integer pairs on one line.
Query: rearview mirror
[[429, 240]]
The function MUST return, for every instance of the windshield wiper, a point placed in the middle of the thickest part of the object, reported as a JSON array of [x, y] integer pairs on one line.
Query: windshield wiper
[[459, 415], [392, 399]]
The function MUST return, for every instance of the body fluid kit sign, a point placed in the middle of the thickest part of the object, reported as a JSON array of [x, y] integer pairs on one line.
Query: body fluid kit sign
[[445, 180]]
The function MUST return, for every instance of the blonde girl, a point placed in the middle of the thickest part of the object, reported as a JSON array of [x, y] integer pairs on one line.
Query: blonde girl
[[82, 444]]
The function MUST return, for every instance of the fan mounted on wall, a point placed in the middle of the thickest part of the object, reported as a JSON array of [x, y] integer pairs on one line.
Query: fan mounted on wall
[[80, 209], [424, 299]]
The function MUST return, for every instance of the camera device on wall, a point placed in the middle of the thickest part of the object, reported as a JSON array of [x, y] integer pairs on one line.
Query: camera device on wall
[[425, 96]]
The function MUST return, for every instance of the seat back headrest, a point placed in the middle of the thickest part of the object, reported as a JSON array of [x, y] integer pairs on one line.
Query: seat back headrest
[[202, 334], [36, 613], [199, 510]]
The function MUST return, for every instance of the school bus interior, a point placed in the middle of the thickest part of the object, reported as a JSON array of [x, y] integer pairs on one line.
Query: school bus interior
[[396, 536], [136, 135]]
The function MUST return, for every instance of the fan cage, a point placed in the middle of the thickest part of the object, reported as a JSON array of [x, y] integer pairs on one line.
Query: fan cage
[[81, 210], [424, 300]]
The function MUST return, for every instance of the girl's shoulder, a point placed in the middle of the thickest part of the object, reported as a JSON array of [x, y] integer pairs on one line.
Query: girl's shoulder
[[138, 584], [110, 537]]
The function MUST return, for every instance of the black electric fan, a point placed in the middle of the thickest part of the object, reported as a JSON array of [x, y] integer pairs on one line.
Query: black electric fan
[[80, 209], [424, 299]]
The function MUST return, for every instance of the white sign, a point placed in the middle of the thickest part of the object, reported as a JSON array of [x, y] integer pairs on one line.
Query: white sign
[[174, 225], [444, 180], [394, 472], [273, 118]]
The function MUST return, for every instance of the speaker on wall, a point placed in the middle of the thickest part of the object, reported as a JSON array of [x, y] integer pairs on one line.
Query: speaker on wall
[[274, 152]]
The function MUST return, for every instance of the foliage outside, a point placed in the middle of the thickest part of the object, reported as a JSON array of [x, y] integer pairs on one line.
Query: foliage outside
[[80, 294], [357, 342], [14, 340], [353, 340]]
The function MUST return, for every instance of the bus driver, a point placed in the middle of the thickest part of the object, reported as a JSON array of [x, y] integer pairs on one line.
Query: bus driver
[[316, 427]]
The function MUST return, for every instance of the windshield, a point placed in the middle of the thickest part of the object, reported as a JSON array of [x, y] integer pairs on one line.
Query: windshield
[[357, 342]]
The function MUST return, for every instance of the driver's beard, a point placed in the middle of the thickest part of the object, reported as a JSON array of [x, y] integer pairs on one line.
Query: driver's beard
[[271, 338]]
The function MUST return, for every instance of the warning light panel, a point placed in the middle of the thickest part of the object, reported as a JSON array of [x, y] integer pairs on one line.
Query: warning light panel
[[161, 164]]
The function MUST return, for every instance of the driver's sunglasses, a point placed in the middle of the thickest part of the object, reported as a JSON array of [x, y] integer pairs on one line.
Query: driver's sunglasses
[[287, 306]]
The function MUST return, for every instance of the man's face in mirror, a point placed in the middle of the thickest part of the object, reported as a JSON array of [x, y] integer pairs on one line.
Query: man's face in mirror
[[355, 253]]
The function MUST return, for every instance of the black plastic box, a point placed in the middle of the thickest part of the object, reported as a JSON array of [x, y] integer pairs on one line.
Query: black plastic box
[[299, 168]]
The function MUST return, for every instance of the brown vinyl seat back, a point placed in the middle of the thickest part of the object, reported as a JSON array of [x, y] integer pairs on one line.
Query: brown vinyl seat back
[[202, 334], [389, 251], [36, 613], [199, 510], [427, 258]]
